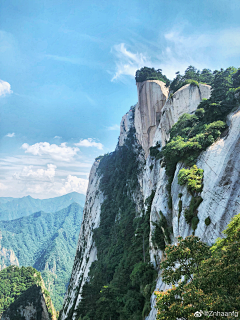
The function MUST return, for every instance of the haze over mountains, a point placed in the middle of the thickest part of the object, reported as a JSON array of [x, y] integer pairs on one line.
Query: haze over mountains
[[14, 208], [44, 240]]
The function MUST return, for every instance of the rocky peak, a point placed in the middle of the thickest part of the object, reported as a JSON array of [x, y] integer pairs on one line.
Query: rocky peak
[[152, 95]]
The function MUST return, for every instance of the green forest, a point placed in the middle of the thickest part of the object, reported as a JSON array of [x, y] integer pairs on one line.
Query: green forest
[[204, 279], [17, 286], [122, 279], [47, 242]]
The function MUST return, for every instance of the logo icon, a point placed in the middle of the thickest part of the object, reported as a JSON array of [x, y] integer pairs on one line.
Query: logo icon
[[197, 314]]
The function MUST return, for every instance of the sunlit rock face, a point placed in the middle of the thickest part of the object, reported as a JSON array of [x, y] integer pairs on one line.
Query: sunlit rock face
[[125, 125], [185, 100], [221, 194], [152, 95], [86, 249], [153, 117]]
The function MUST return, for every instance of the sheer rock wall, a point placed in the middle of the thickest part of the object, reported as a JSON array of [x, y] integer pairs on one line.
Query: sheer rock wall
[[153, 116]]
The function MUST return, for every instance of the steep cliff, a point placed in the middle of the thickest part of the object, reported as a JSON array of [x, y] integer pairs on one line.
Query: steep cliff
[[86, 249], [152, 95], [155, 200], [30, 305], [23, 295], [185, 100]]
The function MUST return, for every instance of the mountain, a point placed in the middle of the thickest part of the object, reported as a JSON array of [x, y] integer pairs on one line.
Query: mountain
[[14, 208], [23, 295], [175, 172], [45, 241]]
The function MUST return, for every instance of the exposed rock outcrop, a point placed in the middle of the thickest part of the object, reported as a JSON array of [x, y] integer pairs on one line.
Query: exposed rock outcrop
[[185, 100], [30, 305], [7, 256], [152, 95], [126, 125], [86, 249], [154, 115], [221, 194]]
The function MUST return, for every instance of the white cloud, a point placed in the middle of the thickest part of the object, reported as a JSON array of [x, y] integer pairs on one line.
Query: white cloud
[[176, 50], [89, 143], [57, 137], [61, 152], [28, 173], [5, 88], [10, 135], [2, 186], [127, 62], [73, 183], [114, 127]]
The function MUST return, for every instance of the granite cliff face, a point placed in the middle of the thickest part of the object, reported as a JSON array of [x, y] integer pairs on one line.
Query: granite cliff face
[[153, 116], [185, 100], [86, 249], [152, 95]]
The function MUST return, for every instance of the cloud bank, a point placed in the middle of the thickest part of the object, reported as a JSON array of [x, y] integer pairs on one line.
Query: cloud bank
[[5, 88], [89, 143], [61, 152], [40, 174]]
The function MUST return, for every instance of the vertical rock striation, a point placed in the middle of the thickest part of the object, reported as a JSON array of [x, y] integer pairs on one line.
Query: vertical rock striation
[[153, 117], [185, 100], [152, 95], [86, 249]]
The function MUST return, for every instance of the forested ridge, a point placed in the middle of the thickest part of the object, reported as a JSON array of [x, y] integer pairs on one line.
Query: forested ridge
[[15, 282], [47, 242]]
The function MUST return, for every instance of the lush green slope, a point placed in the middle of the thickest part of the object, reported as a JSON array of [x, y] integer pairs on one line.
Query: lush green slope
[[46, 241], [14, 208], [208, 278], [122, 279], [18, 288]]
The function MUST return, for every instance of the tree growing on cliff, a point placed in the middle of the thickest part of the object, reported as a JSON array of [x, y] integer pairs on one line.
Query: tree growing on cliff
[[146, 73], [203, 279]]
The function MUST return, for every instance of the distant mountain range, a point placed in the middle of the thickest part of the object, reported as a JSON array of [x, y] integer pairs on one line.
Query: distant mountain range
[[14, 208], [45, 241]]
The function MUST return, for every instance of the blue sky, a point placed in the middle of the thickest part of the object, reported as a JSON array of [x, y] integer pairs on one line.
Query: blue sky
[[67, 77]]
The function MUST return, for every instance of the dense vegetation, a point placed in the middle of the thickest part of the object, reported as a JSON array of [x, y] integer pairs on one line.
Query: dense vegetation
[[193, 133], [203, 279], [191, 76], [48, 243], [18, 286], [146, 73], [122, 279], [162, 233]]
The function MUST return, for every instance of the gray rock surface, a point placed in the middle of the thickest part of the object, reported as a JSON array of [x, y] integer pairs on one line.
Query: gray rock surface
[[152, 95], [86, 249], [221, 192]]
